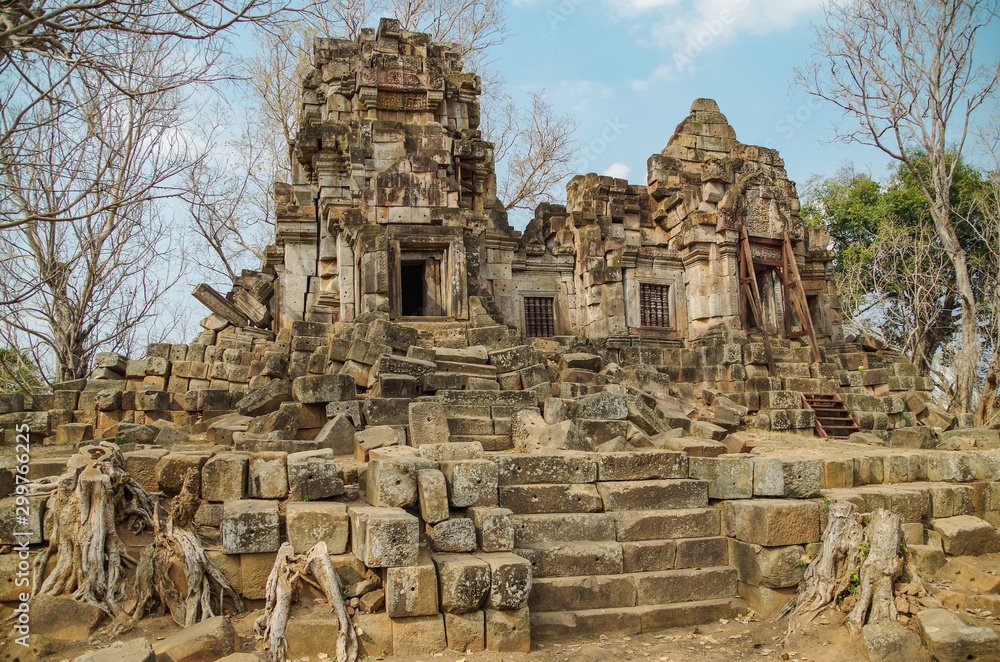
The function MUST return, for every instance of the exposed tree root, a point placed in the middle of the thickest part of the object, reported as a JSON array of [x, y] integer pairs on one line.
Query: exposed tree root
[[283, 584], [89, 500], [861, 556], [175, 543]]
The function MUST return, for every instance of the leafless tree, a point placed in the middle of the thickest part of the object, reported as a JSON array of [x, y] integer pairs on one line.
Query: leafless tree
[[46, 48], [533, 143], [231, 194], [535, 146], [224, 198], [88, 259], [905, 75], [52, 28]]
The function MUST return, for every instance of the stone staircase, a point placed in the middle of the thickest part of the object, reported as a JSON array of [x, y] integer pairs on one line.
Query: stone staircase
[[620, 543]]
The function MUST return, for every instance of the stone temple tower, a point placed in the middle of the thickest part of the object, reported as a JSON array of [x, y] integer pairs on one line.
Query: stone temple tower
[[393, 187]]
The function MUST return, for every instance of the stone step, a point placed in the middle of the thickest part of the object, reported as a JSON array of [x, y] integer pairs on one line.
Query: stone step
[[533, 468], [573, 559], [552, 498], [637, 525], [562, 526], [631, 589], [576, 559], [622, 526], [654, 494], [624, 621], [476, 383]]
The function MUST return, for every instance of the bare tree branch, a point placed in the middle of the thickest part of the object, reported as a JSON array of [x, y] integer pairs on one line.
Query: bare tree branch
[[536, 147], [90, 260]]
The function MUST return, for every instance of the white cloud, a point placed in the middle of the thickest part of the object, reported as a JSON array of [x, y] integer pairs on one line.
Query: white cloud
[[708, 23], [581, 94], [618, 170], [663, 72], [584, 88], [691, 28], [682, 26], [643, 5]]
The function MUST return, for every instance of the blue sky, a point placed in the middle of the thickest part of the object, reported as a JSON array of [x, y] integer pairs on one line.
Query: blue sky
[[631, 68]]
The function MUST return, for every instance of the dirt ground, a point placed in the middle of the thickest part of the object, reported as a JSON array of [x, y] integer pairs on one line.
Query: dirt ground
[[787, 443], [720, 641], [740, 639]]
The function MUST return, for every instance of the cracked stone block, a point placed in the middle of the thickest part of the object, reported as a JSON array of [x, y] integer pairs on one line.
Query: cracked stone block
[[494, 528], [428, 423], [950, 640], [795, 478], [966, 534], [412, 590], [773, 567], [391, 483], [384, 537], [457, 534], [211, 639], [418, 635], [171, 469], [378, 436], [508, 631], [308, 523], [337, 435], [466, 632], [268, 475], [141, 465], [250, 527], [13, 520], [224, 477], [510, 580], [323, 388], [772, 522], [313, 475], [463, 582], [471, 482], [728, 477], [433, 495]]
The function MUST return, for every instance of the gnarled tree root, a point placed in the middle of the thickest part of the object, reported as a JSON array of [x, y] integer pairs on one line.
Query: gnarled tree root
[[282, 584], [176, 543], [89, 500], [862, 554]]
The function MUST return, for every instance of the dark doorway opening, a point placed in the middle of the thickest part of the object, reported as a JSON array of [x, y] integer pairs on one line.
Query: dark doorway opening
[[412, 289]]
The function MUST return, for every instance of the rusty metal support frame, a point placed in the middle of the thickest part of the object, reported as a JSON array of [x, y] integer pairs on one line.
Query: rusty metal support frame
[[796, 293], [750, 295]]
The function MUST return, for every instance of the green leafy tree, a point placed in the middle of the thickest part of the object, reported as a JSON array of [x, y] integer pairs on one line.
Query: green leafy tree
[[910, 81], [894, 277]]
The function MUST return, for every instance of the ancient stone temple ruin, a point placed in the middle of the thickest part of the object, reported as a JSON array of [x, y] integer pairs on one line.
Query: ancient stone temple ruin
[[503, 436], [393, 209]]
